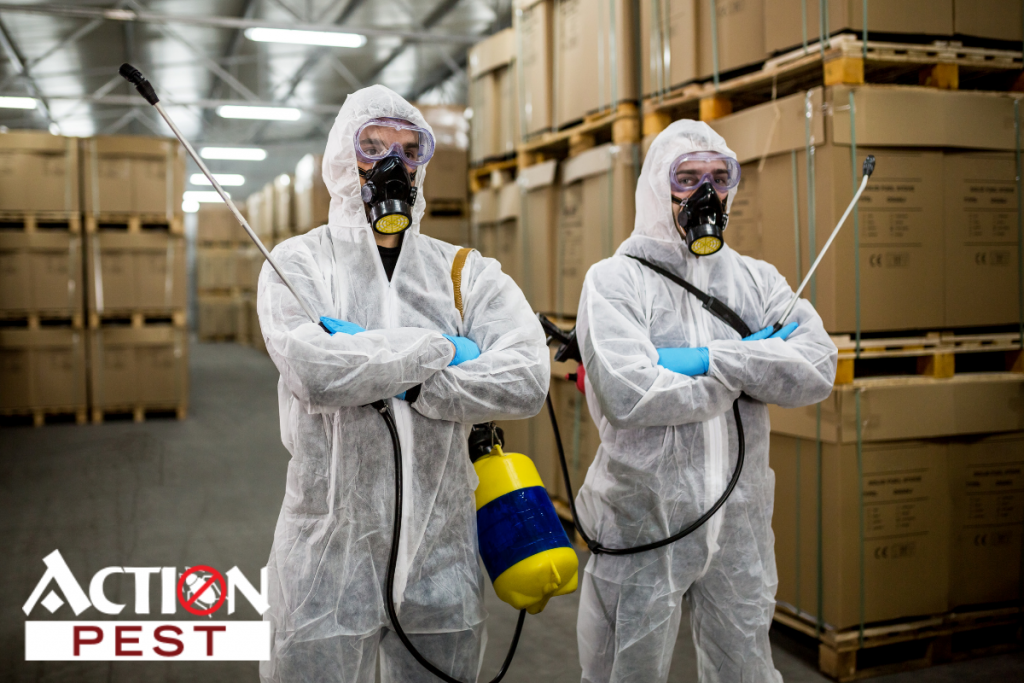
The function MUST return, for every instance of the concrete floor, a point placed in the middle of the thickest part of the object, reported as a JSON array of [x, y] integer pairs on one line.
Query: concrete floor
[[207, 491]]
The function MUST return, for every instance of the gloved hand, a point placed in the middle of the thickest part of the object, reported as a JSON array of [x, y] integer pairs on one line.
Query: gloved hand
[[334, 326], [684, 361], [465, 349], [766, 333]]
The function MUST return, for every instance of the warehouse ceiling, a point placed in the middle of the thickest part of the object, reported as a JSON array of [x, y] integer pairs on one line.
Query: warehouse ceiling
[[197, 54]]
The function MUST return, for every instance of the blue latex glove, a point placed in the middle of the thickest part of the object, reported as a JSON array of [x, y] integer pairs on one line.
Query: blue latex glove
[[401, 396], [465, 349], [684, 361], [334, 326], [766, 333]]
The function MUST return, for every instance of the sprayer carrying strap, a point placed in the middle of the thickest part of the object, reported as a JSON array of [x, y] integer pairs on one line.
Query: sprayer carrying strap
[[716, 307], [457, 266]]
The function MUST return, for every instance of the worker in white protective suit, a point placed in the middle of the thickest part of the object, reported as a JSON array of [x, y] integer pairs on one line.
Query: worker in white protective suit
[[387, 294], [662, 374]]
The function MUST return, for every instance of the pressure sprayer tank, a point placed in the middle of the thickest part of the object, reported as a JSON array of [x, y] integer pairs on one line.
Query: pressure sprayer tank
[[523, 545]]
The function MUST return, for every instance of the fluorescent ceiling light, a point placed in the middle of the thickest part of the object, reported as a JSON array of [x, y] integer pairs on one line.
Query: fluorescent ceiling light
[[202, 196], [284, 35], [189, 205], [17, 103], [239, 111], [225, 179], [236, 153]]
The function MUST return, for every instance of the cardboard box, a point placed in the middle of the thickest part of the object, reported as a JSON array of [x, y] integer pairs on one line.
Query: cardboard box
[[597, 214], [216, 223], [256, 339], [449, 123], [668, 44], [41, 272], [248, 264], [492, 52], [132, 174], [594, 63], [508, 244], [218, 316], [902, 496], [42, 369], [131, 367], [535, 61], [494, 128], [312, 200], [447, 175], [744, 230], [902, 243], [128, 272], [38, 172], [451, 229], [539, 221], [284, 206], [783, 20], [483, 97], [217, 268], [986, 479], [910, 407], [993, 19], [741, 37], [580, 437], [981, 239], [259, 216]]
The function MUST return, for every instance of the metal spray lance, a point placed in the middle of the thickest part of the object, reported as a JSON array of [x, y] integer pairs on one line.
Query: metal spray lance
[[867, 170]]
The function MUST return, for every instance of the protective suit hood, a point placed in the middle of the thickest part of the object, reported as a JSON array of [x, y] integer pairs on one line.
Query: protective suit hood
[[340, 172], [654, 214]]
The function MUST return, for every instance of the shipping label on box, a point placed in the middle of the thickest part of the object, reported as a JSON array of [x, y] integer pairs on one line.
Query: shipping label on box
[[981, 239]]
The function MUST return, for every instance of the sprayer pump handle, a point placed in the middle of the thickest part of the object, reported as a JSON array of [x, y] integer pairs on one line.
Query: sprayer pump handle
[[869, 165], [135, 77]]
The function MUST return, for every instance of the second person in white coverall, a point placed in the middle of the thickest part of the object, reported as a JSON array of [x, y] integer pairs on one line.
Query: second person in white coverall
[[393, 299], [669, 440]]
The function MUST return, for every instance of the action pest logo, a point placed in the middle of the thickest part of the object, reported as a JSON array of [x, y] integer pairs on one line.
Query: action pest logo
[[200, 590]]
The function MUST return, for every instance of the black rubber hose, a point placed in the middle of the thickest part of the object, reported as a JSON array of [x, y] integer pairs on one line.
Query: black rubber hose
[[389, 603], [599, 549]]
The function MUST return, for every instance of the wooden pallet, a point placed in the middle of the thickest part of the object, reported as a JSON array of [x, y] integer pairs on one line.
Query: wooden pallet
[[933, 354], [39, 415], [31, 221], [135, 223], [140, 413], [481, 176], [620, 125], [849, 655], [38, 320], [842, 62], [446, 208], [144, 318]]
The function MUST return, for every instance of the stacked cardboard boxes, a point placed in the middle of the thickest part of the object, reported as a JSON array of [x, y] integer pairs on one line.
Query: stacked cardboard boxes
[[284, 225], [310, 195], [135, 275], [42, 343], [227, 268], [446, 184], [493, 97]]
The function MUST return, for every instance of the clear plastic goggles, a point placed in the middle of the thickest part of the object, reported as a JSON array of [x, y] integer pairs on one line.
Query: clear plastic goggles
[[690, 171], [379, 138]]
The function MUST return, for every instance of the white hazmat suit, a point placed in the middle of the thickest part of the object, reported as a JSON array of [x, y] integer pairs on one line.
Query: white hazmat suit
[[669, 443], [329, 558]]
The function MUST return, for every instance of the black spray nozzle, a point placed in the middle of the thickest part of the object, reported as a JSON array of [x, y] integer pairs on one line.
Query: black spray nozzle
[[135, 77], [568, 347], [869, 165]]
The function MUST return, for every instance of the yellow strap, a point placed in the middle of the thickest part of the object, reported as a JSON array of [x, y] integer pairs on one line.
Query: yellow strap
[[457, 264]]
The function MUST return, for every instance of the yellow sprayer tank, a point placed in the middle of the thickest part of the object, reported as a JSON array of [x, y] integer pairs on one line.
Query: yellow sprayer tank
[[524, 547]]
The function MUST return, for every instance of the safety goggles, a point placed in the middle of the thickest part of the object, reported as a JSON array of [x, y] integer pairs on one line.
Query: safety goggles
[[379, 138], [690, 171]]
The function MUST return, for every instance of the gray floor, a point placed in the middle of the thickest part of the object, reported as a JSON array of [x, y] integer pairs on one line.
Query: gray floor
[[208, 490]]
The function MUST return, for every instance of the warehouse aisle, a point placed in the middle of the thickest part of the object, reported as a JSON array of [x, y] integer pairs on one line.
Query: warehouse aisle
[[208, 490]]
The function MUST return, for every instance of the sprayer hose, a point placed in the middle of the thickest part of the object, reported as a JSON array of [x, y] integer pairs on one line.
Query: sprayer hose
[[599, 549], [389, 602]]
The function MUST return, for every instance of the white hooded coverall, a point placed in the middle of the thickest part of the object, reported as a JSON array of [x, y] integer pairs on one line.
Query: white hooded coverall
[[328, 562], [669, 443]]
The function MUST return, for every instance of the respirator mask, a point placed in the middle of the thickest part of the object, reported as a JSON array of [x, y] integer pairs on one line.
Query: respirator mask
[[392, 146], [702, 216]]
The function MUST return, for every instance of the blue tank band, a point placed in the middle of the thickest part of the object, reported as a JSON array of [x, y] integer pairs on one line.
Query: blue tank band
[[515, 526]]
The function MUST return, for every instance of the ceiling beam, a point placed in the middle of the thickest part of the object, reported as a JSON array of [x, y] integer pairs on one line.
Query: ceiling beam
[[21, 64], [439, 12], [233, 22]]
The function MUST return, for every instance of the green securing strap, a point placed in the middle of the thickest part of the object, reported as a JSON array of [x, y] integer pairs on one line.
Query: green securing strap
[[796, 216]]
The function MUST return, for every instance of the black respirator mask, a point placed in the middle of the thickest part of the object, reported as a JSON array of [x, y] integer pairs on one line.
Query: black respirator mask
[[389, 195], [702, 219]]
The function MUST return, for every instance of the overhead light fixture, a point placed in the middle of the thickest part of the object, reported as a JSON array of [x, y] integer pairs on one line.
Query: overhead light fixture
[[240, 111], [234, 153], [18, 103], [286, 35], [225, 179]]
